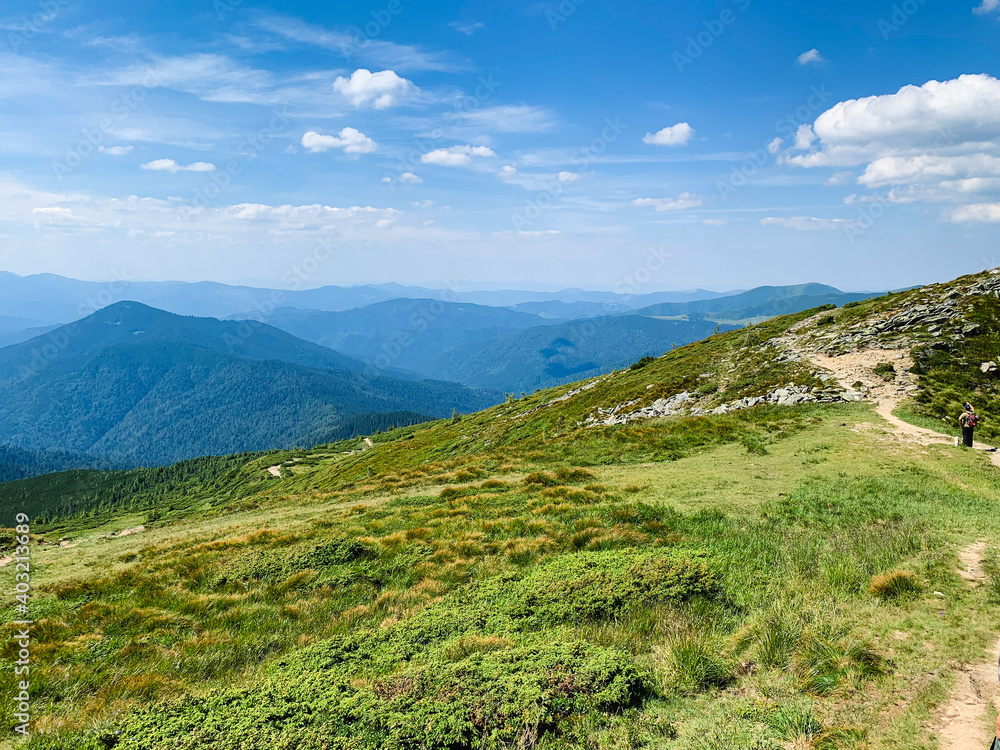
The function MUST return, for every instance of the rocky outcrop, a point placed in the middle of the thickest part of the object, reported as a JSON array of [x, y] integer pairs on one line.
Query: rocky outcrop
[[941, 318], [680, 404]]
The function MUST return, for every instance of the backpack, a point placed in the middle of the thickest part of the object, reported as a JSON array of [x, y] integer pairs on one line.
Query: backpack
[[973, 419]]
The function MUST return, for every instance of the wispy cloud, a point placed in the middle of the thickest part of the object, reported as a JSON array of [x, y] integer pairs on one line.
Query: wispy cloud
[[681, 202], [467, 27], [352, 46], [805, 223]]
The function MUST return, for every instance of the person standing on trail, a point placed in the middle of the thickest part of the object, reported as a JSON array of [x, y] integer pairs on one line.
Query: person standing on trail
[[968, 422]]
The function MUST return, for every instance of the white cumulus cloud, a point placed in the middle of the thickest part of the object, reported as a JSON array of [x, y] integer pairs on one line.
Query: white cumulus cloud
[[379, 90], [675, 135], [812, 57], [456, 156], [981, 213], [349, 140], [682, 201], [930, 142], [169, 165], [988, 6], [410, 177]]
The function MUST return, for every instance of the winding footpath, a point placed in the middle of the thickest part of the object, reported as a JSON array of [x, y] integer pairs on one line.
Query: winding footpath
[[962, 721]]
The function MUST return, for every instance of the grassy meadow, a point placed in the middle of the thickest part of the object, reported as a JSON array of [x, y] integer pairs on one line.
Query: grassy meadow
[[772, 578]]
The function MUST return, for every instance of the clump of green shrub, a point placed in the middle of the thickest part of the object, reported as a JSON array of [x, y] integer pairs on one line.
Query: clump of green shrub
[[885, 371], [574, 476], [754, 443], [707, 389], [642, 363], [466, 693], [606, 585], [542, 479]]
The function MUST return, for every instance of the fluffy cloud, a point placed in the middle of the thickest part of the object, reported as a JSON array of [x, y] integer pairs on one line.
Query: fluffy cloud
[[456, 156], [806, 223], [410, 177], [938, 116], [675, 135], [682, 201], [982, 213], [936, 142], [379, 90], [350, 140], [812, 57], [988, 6], [169, 165]]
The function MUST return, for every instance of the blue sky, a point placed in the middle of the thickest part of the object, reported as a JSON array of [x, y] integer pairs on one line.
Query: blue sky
[[628, 145]]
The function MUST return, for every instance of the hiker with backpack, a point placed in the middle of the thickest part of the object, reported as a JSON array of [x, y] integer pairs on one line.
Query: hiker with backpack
[[968, 422]]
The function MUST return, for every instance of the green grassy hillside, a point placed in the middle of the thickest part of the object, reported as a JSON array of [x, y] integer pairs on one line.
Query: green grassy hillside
[[532, 576]]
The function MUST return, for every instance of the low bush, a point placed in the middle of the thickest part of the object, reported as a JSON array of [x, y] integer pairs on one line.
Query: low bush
[[605, 585], [885, 371]]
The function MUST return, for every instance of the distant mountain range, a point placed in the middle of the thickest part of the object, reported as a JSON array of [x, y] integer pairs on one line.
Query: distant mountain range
[[489, 347], [758, 304], [133, 384], [48, 299], [136, 385]]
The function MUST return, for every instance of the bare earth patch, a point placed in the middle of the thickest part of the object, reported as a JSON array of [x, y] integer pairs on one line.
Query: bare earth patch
[[962, 723]]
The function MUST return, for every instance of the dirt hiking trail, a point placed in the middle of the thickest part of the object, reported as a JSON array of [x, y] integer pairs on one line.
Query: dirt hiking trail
[[963, 721], [859, 367]]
